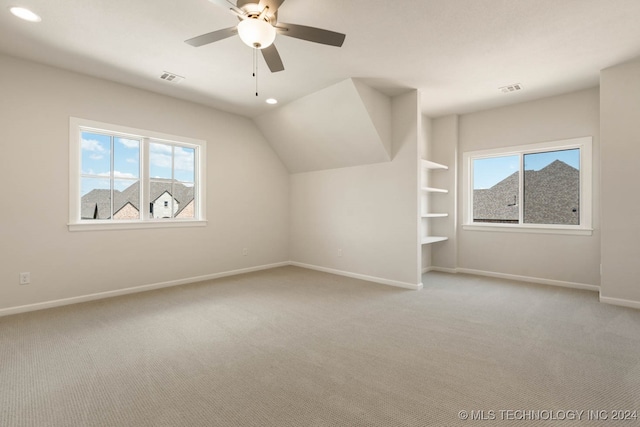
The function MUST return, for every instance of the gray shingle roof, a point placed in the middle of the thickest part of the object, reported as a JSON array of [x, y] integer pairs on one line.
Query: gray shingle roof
[[96, 204], [498, 203], [552, 196]]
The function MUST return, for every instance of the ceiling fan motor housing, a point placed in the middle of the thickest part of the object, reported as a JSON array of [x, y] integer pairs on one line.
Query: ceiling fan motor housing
[[254, 10]]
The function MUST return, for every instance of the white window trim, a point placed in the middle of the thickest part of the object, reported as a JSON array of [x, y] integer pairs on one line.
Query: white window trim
[[586, 187], [77, 125]]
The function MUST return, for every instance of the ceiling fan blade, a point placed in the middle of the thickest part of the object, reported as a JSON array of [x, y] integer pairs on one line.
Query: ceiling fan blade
[[229, 6], [212, 37], [311, 34], [273, 5], [272, 58]]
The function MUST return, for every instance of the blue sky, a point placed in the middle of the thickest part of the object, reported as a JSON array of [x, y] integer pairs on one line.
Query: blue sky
[[96, 160], [489, 171], [160, 162]]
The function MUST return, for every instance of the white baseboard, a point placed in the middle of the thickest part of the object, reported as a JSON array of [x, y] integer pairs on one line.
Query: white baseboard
[[440, 269], [541, 281], [518, 278], [135, 289], [108, 294], [620, 302], [395, 283]]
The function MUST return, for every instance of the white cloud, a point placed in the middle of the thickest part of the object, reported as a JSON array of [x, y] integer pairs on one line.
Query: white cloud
[[129, 143], [184, 160], [160, 160], [92, 145], [154, 147], [118, 174], [133, 161], [160, 156], [96, 157]]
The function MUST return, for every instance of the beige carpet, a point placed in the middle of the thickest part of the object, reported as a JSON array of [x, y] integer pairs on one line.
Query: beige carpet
[[293, 347]]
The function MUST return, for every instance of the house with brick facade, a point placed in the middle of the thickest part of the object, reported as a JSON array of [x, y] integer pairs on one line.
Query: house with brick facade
[[96, 204]]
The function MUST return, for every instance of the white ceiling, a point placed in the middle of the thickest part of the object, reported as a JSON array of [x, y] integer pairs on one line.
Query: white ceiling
[[457, 52]]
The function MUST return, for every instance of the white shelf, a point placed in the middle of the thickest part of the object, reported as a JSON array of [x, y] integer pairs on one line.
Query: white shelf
[[428, 164], [434, 190], [433, 239]]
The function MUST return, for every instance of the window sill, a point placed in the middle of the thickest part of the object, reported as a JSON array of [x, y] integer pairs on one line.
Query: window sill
[[134, 225], [529, 229]]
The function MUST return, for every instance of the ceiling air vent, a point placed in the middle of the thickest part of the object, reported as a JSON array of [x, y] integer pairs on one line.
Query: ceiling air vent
[[511, 88], [170, 77]]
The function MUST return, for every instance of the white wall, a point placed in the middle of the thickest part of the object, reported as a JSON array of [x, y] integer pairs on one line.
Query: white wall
[[564, 258], [346, 124], [370, 211], [620, 134], [247, 190], [445, 131], [424, 147]]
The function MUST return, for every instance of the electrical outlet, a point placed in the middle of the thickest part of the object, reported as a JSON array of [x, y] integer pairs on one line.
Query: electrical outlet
[[25, 278], [339, 252], [245, 251]]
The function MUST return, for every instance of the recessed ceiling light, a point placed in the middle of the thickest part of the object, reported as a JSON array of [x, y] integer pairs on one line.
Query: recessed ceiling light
[[271, 101], [25, 14]]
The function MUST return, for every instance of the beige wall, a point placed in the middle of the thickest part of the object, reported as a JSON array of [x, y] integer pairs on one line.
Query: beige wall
[[370, 212], [565, 258], [620, 134], [445, 131], [346, 124], [424, 148], [247, 191]]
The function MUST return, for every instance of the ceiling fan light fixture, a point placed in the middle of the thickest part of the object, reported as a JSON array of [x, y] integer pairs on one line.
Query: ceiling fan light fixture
[[256, 33]]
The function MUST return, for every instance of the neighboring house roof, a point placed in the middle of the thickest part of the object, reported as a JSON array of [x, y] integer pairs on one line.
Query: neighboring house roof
[[96, 204], [552, 196], [498, 203]]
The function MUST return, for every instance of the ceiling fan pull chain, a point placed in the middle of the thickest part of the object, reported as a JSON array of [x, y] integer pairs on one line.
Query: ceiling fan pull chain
[[253, 69], [255, 63]]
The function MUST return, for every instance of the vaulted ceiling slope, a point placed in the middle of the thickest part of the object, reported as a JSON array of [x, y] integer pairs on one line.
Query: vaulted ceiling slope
[[347, 124], [456, 52]]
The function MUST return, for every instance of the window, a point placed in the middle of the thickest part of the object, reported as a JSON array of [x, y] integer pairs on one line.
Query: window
[[115, 171], [537, 188]]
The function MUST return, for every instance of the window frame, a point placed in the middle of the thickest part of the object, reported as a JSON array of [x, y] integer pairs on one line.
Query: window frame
[[586, 187], [76, 223]]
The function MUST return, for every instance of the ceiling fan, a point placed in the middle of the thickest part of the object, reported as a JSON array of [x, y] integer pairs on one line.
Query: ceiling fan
[[258, 28]]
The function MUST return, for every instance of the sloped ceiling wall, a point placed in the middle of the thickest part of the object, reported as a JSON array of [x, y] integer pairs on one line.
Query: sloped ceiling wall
[[347, 124]]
